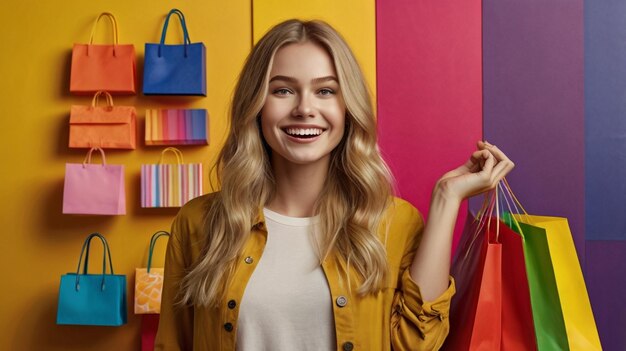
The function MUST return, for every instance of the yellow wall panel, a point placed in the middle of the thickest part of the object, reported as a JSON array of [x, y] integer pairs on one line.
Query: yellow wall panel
[[354, 19], [38, 243]]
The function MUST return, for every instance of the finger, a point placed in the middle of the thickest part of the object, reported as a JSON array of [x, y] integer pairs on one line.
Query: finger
[[500, 171], [499, 155], [477, 160]]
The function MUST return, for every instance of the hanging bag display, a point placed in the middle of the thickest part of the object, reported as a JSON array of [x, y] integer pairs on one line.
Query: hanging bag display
[[108, 67], [170, 185], [149, 282], [175, 69], [94, 188], [176, 127], [109, 127], [92, 299]]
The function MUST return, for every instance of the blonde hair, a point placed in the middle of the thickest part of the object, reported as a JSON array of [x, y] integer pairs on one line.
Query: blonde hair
[[354, 198]]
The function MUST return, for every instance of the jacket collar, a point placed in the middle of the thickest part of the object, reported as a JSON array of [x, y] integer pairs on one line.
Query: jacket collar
[[259, 220]]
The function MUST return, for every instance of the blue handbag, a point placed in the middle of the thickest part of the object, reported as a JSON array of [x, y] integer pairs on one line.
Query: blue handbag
[[175, 69], [92, 299]]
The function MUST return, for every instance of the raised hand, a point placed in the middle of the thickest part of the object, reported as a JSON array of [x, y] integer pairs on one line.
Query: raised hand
[[482, 172]]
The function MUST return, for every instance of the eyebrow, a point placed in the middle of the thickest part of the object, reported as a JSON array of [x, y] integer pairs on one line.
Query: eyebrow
[[314, 81]]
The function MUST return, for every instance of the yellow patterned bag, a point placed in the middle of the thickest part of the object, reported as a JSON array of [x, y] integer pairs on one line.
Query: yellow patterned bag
[[149, 283]]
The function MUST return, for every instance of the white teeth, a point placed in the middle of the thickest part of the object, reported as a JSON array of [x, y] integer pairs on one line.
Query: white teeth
[[304, 131]]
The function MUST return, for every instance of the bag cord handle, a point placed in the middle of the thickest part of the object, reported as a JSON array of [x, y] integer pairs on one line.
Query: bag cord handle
[[114, 29], [183, 23], [109, 98], [155, 236], [85, 252], [178, 153], [88, 157]]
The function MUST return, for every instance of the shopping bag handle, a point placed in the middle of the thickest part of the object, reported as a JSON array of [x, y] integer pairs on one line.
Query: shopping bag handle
[[88, 157], [155, 236], [113, 27], [183, 24], [109, 98], [178, 153], [85, 252]]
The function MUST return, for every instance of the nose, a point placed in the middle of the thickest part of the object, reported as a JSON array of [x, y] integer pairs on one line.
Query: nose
[[304, 108]]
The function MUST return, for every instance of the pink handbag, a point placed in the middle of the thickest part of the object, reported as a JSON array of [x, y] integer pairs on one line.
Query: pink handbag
[[94, 188]]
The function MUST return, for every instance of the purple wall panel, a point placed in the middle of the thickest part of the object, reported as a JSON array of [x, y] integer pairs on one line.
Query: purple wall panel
[[605, 122], [429, 90], [533, 102], [606, 284]]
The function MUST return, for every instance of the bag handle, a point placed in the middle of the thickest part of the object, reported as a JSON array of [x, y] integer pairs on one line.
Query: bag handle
[[88, 157], [109, 98], [186, 39], [178, 153], [114, 29], [155, 236], [85, 252]]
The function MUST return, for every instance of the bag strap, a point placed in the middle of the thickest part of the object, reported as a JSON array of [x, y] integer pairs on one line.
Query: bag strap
[[178, 153], [183, 23], [155, 236], [88, 157], [85, 252], [109, 98], [114, 28]]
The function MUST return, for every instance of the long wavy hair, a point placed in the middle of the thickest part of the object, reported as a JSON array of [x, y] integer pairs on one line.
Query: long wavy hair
[[354, 198]]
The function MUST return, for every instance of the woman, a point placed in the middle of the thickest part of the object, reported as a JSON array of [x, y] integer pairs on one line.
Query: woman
[[305, 247]]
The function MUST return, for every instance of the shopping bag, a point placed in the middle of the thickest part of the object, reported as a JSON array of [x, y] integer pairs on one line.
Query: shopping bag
[[491, 309], [112, 127], [175, 69], [149, 327], [170, 185], [94, 189], [563, 315], [92, 299], [176, 127], [149, 283], [108, 67]]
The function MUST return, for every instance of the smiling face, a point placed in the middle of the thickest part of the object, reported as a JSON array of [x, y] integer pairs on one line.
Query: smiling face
[[303, 118]]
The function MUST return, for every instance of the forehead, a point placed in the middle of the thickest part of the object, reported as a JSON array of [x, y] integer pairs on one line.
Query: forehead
[[304, 61]]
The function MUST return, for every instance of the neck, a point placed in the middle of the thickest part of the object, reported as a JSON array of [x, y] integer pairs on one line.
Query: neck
[[297, 187]]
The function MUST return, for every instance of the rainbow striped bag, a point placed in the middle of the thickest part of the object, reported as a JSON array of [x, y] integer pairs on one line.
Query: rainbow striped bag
[[176, 127], [170, 185]]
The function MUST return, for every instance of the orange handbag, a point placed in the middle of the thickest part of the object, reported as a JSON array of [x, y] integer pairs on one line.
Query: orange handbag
[[109, 127], [108, 67]]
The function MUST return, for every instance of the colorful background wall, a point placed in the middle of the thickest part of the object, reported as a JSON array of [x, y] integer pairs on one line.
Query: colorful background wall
[[544, 80]]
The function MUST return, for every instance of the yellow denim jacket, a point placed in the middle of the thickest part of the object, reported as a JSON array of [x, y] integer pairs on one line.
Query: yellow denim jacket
[[394, 319]]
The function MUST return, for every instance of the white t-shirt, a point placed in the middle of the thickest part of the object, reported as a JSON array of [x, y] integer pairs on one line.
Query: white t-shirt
[[287, 303]]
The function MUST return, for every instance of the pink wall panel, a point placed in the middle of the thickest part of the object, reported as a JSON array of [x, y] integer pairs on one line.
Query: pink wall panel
[[429, 90]]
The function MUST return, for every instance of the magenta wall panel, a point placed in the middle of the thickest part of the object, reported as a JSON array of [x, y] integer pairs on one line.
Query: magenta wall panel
[[429, 90], [533, 107]]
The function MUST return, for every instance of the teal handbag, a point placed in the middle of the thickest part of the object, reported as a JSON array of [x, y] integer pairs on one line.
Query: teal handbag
[[92, 299]]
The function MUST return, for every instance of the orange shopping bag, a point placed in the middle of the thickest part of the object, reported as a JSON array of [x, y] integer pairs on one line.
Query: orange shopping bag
[[108, 67], [108, 127], [149, 283]]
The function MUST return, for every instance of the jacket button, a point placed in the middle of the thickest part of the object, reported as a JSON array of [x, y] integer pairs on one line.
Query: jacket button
[[232, 304], [341, 301], [348, 346], [229, 327], [248, 260]]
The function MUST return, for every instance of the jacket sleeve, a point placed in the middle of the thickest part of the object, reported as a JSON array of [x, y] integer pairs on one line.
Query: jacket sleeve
[[417, 324], [176, 321]]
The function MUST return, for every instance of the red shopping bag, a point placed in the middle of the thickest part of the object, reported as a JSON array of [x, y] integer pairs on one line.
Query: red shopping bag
[[491, 309], [149, 327], [108, 67]]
